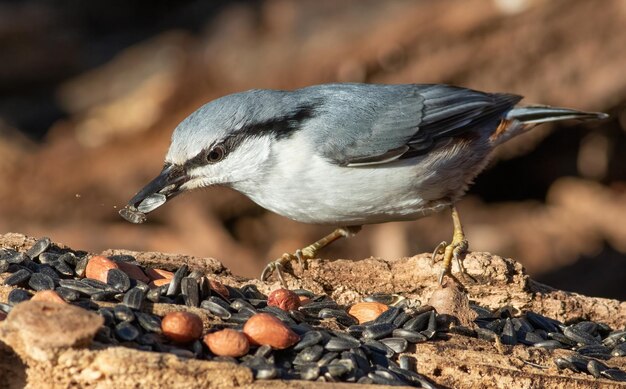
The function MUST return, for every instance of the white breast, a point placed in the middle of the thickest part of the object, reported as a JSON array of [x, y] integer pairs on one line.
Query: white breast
[[305, 187]]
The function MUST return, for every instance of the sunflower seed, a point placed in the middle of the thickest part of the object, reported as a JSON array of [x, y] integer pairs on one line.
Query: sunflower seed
[[190, 292], [174, 286], [4, 265], [596, 368], [132, 215], [134, 298], [327, 358], [579, 336], [49, 258], [614, 338], [149, 322], [382, 298], [411, 336], [125, 331], [104, 295], [417, 323], [539, 321], [340, 344], [309, 354], [38, 247], [151, 203], [549, 344], [123, 313], [67, 294], [340, 315], [20, 277], [388, 316], [406, 362], [614, 374], [314, 308], [309, 372], [379, 347], [216, 309], [377, 331], [118, 280], [508, 333], [431, 328], [336, 370], [81, 266], [17, 296], [619, 350], [309, 339], [562, 338], [399, 345]]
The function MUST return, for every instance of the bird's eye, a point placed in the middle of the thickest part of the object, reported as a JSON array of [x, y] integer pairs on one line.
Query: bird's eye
[[216, 154]]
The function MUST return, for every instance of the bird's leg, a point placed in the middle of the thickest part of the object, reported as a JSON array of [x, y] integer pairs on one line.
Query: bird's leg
[[455, 250], [309, 252]]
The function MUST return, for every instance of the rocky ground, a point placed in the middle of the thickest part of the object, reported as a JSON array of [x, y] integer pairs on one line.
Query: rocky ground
[[49, 345]]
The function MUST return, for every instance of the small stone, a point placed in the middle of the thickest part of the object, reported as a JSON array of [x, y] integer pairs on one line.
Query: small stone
[[227, 343], [98, 268], [367, 311], [48, 295], [284, 299], [182, 327], [264, 328]]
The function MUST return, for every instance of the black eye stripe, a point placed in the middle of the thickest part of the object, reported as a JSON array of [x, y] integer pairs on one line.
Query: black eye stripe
[[279, 128]]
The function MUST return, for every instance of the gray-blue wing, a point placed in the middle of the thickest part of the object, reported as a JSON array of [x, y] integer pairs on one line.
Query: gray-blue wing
[[403, 121]]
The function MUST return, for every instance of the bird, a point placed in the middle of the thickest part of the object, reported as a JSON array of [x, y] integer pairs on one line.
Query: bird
[[345, 155]]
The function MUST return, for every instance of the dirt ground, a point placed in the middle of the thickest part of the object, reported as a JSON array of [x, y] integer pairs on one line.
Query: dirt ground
[[48, 358]]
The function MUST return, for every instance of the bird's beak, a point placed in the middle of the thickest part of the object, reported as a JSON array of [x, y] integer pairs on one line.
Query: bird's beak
[[162, 188]]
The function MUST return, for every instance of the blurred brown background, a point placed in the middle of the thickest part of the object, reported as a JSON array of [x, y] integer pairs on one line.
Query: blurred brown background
[[91, 90]]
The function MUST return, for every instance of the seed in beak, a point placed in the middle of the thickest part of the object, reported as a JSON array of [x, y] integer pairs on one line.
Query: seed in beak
[[132, 215], [151, 203]]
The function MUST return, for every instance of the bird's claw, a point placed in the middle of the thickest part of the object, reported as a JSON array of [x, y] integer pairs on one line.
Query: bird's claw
[[455, 250], [278, 266]]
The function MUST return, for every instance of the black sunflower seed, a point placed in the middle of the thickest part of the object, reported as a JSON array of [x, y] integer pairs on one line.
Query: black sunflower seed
[[410, 336], [336, 370], [562, 338], [402, 318], [406, 362], [539, 321], [579, 336], [134, 298], [109, 316], [340, 344], [123, 313], [216, 309], [149, 322], [549, 344], [619, 350], [327, 358], [20, 277], [49, 258], [309, 372], [50, 272], [81, 266], [378, 330], [399, 345], [17, 296], [508, 333], [379, 347], [309, 339], [309, 354], [174, 285], [388, 316], [69, 258], [338, 314], [382, 298], [125, 331], [595, 368], [614, 374], [417, 323], [614, 338], [97, 284], [314, 308], [154, 295], [431, 328], [118, 280], [38, 247], [16, 258], [190, 292], [4, 265], [67, 294]]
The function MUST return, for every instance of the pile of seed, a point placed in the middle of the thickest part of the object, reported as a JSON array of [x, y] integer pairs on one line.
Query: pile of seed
[[288, 334]]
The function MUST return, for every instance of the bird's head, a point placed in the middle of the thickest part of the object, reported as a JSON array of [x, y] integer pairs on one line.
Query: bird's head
[[226, 141]]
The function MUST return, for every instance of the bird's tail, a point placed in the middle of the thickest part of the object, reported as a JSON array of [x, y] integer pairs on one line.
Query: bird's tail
[[521, 119]]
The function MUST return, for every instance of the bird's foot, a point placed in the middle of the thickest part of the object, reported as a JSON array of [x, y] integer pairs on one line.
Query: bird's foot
[[455, 250], [278, 266]]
